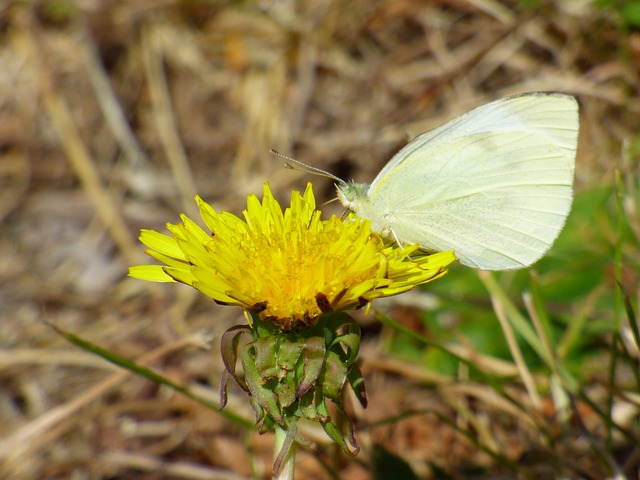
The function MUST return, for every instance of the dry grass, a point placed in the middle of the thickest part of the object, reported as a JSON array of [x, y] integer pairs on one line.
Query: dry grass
[[113, 114]]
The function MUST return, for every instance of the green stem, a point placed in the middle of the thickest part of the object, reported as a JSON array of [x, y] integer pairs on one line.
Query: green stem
[[285, 470]]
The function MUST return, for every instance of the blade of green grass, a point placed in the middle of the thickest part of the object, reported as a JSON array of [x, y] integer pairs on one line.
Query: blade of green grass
[[149, 374], [489, 379], [522, 325]]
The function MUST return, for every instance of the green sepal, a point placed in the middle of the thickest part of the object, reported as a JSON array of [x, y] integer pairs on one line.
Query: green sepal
[[305, 407], [286, 391], [263, 421], [224, 381], [313, 358], [263, 394], [333, 376], [265, 357], [349, 446], [289, 352], [258, 410], [229, 351], [349, 341], [267, 425], [356, 381]]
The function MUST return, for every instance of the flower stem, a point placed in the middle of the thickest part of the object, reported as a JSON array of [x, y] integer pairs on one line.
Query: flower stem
[[283, 471]]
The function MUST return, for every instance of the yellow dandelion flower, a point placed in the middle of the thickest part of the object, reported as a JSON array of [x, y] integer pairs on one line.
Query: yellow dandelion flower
[[287, 267]]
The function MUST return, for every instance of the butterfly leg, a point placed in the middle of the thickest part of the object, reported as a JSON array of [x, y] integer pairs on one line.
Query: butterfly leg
[[395, 238]]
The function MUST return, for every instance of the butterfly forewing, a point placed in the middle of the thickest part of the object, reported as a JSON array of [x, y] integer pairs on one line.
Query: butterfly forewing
[[494, 185]]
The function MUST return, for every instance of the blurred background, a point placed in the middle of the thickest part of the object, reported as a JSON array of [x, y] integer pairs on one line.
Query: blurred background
[[114, 114]]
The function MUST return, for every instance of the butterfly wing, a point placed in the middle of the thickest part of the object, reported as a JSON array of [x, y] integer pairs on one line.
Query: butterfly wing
[[494, 185]]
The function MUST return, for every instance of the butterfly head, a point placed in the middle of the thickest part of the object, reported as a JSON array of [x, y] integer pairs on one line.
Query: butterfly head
[[351, 194]]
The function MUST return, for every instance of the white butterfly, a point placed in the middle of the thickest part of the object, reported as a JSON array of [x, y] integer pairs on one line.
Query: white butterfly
[[494, 184]]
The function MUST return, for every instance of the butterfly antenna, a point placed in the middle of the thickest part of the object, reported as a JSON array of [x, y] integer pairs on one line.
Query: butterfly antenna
[[298, 165], [335, 199]]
